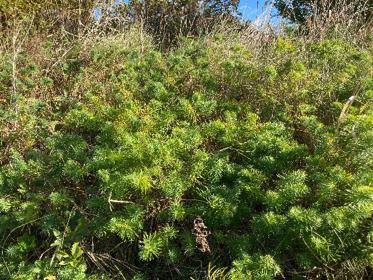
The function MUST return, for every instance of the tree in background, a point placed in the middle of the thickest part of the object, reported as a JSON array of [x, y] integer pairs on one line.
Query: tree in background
[[71, 15], [304, 12], [167, 20]]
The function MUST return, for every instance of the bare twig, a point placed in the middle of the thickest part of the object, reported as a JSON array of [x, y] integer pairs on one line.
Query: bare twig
[[110, 201]]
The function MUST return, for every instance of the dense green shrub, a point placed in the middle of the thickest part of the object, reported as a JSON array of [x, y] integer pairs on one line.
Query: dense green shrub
[[107, 161]]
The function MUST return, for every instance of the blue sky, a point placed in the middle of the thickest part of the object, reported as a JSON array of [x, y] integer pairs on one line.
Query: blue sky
[[250, 9]]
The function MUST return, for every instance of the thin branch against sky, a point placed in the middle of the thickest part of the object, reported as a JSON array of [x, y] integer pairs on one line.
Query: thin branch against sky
[[252, 9]]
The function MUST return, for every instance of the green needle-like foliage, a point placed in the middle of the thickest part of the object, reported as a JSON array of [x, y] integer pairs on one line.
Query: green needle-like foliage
[[112, 155]]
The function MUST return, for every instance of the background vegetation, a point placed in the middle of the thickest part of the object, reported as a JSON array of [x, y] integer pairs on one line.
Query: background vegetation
[[156, 146]]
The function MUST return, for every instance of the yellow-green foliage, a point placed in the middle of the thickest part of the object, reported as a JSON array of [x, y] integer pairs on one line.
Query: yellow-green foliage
[[106, 161]]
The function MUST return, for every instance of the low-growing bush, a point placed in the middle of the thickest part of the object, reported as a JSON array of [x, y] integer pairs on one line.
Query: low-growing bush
[[128, 163]]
